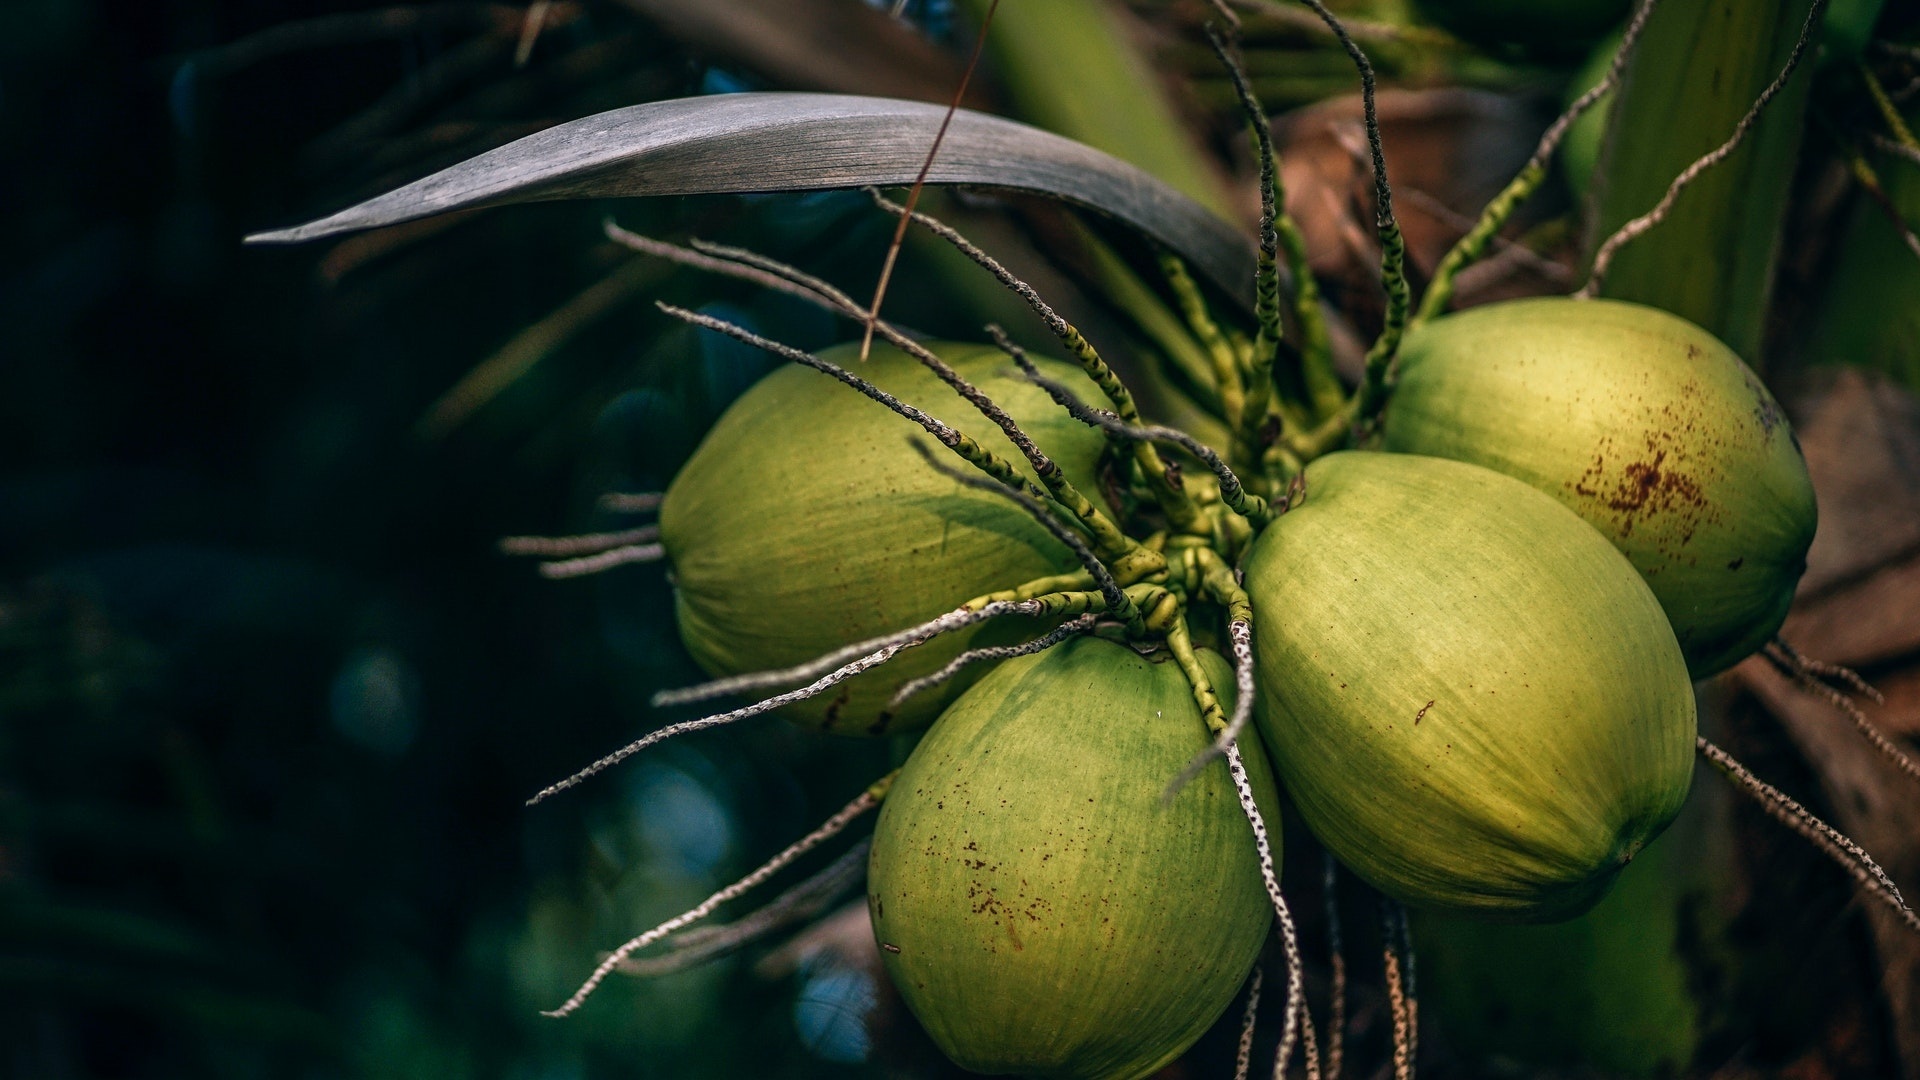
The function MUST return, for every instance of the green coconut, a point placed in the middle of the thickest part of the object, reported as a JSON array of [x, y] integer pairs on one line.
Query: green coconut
[[1041, 910], [1643, 424], [806, 521], [1472, 699]]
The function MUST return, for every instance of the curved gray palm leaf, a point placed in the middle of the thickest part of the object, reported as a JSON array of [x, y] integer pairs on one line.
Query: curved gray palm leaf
[[763, 142]]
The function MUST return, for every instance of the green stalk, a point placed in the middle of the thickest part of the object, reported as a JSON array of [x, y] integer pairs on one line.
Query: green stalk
[[1698, 68]]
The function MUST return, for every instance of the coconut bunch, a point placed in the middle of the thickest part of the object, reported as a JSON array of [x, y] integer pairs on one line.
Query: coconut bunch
[[1453, 613]]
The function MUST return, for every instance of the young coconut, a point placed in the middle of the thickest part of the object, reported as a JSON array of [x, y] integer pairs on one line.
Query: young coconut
[[1643, 424], [1474, 701], [806, 522], [1040, 907]]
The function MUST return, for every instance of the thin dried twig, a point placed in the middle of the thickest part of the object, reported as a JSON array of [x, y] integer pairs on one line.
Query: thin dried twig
[[866, 801], [920, 182], [921, 634], [1805, 672], [813, 669], [1843, 851], [557, 547], [1073, 627], [1283, 915], [606, 560], [1243, 1057], [1337, 992], [801, 902]]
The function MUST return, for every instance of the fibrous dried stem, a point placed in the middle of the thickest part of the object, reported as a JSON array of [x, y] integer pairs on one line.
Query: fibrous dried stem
[[1849, 855], [1473, 245], [1283, 916], [803, 901], [631, 502], [866, 801], [925, 632], [1337, 960], [959, 618], [1398, 1002], [606, 560], [1603, 258], [559, 547], [1804, 674], [1076, 626], [1243, 1056]]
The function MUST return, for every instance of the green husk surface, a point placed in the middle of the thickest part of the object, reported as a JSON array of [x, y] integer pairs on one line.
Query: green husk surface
[[1646, 426], [1472, 699], [1039, 907], [806, 521]]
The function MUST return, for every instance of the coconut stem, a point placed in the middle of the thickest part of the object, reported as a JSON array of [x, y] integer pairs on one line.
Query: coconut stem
[[866, 801], [1603, 258], [1849, 855], [1337, 961], [1283, 915], [1469, 248], [1113, 543], [631, 502], [606, 560], [1801, 671], [551, 547], [1116, 599], [921, 634], [961, 617], [1232, 492], [1279, 234], [802, 901], [1243, 1055], [1397, 999], [1073, 628], [954, 439], [1393, 246], [1228, 734], [1823, 670]]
